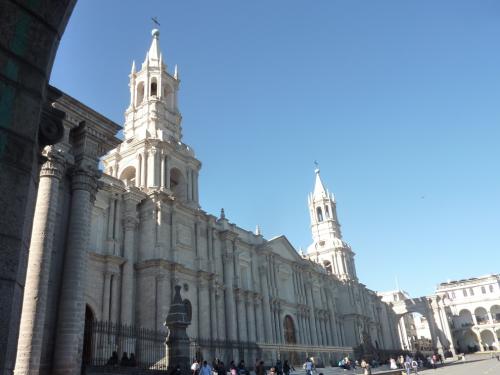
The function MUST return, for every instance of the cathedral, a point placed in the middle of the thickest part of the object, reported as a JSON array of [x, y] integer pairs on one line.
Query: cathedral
[[110, 247]]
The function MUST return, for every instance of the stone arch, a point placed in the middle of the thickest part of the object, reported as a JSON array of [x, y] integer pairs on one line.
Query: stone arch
[[178, 184], [464, 319], [488, 340], [468, 342], [128, 176], [495, 313], [289, 330], [481, 315]]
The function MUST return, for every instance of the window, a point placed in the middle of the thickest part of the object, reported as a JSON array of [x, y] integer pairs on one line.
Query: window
[[483, 290], [154, 89], [453, 295], [327, 212], [471, 291], [491, 288], [465, 292], [319, 214]]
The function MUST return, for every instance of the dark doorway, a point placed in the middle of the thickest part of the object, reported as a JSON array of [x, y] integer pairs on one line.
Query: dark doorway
[[87, 336]]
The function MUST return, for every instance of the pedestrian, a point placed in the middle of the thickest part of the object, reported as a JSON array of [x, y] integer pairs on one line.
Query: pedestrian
[[286, 368], [259, 370], [195, 367], [392, 364], [414, 366], [308, 366], [279, 367], [205, 369]]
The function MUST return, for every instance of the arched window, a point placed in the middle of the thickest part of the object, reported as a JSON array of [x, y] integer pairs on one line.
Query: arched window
[[128, 176], [328, 267], [471, 291], [465, 292], [327, 212], [491, 288], [483, 290], [154, 87], [178, 184], [319, 214], [140, 93]]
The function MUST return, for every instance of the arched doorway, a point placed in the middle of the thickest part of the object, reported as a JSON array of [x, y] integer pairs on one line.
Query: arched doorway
[[414, 332], [87, 336]]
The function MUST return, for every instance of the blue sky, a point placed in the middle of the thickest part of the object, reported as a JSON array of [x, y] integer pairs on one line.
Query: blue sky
[[398, 101]]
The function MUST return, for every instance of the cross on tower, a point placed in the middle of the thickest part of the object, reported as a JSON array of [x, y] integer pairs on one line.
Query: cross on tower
[[155, 21]]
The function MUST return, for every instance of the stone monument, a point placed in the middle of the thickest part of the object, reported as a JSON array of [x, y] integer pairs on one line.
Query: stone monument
[[178, 319]]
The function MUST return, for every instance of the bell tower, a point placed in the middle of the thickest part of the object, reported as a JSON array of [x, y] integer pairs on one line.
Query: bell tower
[[328, 248], [153, 111], [152, 156]]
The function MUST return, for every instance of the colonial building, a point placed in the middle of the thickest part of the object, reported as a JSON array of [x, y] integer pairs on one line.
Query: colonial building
[[115, 246], [474, 312]]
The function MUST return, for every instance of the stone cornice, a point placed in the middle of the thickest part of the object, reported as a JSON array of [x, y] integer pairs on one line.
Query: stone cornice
[[106, 258]]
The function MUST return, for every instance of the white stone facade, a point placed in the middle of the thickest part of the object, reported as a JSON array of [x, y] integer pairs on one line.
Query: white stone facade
[[148, 229], [115, 245], [474, 312]]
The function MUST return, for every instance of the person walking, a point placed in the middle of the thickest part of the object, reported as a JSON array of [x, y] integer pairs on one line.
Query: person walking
[[308, 366], [205, 369], [286, 368]]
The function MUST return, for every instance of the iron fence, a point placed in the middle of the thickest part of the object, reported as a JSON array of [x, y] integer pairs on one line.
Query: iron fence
[[119, 345]]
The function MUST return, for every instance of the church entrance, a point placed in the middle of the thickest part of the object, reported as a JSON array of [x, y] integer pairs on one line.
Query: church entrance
[[87, 336], [290, 339]]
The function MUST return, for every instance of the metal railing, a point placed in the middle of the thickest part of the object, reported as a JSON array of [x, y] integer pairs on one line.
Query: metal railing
[[119, 345]]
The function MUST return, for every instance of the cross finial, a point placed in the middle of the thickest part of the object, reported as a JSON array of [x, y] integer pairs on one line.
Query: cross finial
[[316, 166], [155, 21]]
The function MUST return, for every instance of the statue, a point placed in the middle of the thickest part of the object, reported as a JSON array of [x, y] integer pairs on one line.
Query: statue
[[178, 319]]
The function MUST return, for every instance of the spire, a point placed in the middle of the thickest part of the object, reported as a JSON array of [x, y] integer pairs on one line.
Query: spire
[[319, 188], [176, 72], [154, 54], [132, 71], [258, 231]]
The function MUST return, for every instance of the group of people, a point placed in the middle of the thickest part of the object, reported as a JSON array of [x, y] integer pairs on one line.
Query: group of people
[[219, 368], [124, 361]]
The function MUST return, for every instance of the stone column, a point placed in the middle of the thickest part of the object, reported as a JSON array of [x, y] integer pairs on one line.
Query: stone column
[[312, 317], [106, 296], [265, 304], [242, 318], [213, 311], [162, 170], [229, 301], [71, 317], [138, 170], [40, 254], [152, 167], [259, 321], [250, 318], [131, 199], [115, 295], [144, 170]]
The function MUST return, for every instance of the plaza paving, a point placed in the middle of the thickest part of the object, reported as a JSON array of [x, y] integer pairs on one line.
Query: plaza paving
[[475, 365]]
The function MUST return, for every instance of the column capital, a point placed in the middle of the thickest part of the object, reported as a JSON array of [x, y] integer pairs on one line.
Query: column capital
[[54, 164], [85, 178]]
